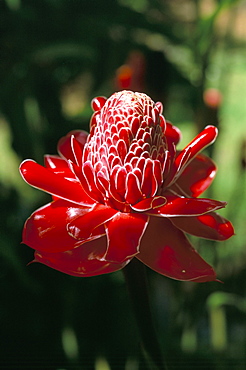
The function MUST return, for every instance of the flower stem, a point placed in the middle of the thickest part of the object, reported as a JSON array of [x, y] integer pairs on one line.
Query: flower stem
[[136, 279]]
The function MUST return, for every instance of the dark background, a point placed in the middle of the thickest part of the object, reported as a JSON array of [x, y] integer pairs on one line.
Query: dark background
[[55, 56]]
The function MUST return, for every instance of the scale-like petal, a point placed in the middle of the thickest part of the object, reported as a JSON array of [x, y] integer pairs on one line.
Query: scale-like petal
[[209, 226], [197, 176], [124, 233], [82, 261], [46, 229], [44, 179], [181, 206], [165, 249]]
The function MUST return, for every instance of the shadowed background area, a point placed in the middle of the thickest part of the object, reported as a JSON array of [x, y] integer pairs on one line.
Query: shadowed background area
[[55, 56]]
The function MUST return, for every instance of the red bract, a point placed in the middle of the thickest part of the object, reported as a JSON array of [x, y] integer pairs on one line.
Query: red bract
[[124, 191]]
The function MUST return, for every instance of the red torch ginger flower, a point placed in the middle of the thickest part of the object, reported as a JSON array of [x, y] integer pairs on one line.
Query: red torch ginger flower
[[125, 192]]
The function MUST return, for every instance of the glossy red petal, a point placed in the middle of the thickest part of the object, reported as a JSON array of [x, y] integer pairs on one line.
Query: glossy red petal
[[44, 179], [197, 176], [149, 203], [55, 163], [209, 226], [98, 102], [201, 141], [159, 107], [185, 156], [64, 144], [46, 229], [172, 133], [124, 233], [82, 261], [59, 166], [165, 249], [88, 176], [83, 227], [180, 206], [77, 150]]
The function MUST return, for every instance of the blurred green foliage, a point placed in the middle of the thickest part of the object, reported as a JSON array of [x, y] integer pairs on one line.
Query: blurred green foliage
[[55, 55]]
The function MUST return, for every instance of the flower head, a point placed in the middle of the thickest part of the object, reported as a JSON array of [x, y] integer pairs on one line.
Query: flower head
[[124, 191]]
